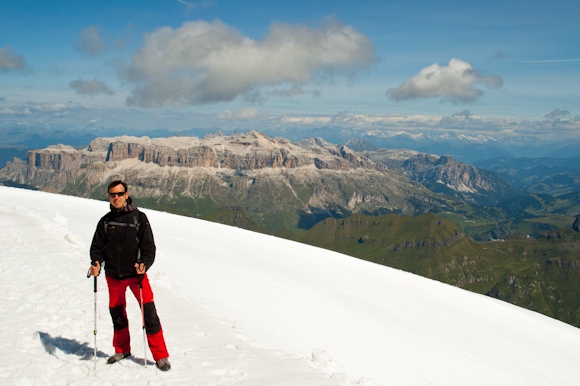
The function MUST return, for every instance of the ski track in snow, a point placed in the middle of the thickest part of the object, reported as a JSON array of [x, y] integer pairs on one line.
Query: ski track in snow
[[48, 318], [240, 308]]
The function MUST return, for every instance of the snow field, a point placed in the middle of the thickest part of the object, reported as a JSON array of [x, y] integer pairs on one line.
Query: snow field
[[240, 308], [48, 315]]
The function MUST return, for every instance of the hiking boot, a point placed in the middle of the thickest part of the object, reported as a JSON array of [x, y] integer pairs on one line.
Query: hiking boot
[[117, 357], [163, 364]]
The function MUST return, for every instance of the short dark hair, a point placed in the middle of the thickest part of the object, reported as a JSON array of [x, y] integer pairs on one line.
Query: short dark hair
[[118, 182]]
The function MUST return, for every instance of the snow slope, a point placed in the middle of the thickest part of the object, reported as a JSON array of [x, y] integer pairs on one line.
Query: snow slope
[[241, 308]]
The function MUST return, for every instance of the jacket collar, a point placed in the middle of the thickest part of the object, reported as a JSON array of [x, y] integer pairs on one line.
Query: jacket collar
[[129, 207]]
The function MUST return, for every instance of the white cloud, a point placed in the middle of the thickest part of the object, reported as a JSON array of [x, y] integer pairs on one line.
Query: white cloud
[[461, 122], [55, 109], [90, 42], [10, 61], [203, 62], [17, 111], [455, 82], [91, 88], [50, 107], [240, 114]]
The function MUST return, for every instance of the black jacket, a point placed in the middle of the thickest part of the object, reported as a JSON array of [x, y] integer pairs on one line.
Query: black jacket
[[117, 246]]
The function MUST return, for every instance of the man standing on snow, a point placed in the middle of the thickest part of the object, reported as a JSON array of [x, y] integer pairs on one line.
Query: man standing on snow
[[124, 237]]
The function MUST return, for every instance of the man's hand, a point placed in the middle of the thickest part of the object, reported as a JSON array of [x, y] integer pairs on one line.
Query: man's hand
[[140, 268], [95, 269]]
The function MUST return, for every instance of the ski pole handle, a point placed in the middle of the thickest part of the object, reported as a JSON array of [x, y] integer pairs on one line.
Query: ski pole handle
[[89, 272], [139, 262]]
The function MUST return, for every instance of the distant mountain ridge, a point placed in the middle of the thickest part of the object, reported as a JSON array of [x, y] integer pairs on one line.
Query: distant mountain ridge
[[466, 148], [446, 175], [279, 183], [555, 176]]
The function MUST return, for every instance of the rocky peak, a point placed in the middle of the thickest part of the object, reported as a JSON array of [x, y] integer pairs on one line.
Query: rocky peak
[[218, 133], [360, 144], [310, 143], [444, 174]]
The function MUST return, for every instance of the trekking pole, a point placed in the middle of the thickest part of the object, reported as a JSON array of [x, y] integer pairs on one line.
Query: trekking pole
[[139, 262], [95, 330]]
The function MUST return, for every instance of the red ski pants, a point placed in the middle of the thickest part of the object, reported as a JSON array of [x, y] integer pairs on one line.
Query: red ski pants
[[121, 338]]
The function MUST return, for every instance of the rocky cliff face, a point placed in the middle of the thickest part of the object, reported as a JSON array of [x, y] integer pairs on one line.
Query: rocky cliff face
[[446, 170], [248, 152], [447, 175], [43, 167], [280, 184]]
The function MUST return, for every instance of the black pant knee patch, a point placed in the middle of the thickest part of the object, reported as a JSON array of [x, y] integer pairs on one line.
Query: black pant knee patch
[[119, 320], [152, 324]]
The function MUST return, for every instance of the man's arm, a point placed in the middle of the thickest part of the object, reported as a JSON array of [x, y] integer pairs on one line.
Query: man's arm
[[146, 242], [97, 248]]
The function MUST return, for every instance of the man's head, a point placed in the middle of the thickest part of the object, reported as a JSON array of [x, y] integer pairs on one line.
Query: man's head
[[118, 194]]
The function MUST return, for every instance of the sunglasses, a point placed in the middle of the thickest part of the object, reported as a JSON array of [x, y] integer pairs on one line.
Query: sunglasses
[[118, 194]]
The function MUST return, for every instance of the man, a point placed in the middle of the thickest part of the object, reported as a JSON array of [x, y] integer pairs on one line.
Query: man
[[123, 238]]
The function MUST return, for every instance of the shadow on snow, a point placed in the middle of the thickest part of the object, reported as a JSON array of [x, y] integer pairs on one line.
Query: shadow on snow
[[68, 346], [74, 347]]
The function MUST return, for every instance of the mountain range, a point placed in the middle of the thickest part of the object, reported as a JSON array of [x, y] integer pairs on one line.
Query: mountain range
[[284, 185], [281, 184], [465, 148]]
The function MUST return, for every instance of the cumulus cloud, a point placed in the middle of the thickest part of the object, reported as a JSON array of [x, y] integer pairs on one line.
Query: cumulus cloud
[[203, 62], [10, 61], [90, 42], [557, 113], [90, 87], [454, 82], [240, 114]]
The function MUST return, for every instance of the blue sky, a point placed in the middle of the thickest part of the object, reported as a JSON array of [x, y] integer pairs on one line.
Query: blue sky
[[500, 68]]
